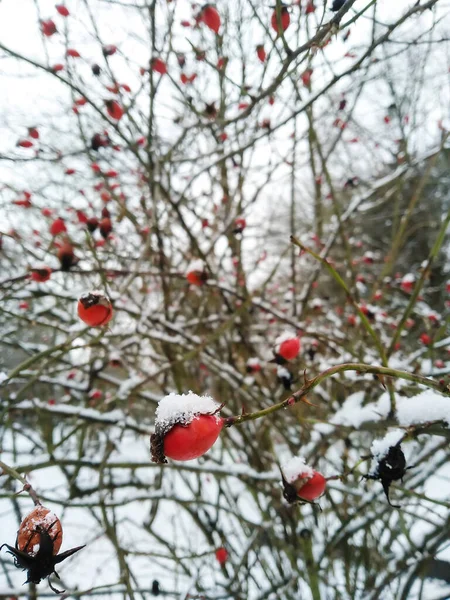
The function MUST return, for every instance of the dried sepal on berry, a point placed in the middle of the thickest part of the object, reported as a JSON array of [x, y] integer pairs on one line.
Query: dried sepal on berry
[[186, 427], [95, 308]]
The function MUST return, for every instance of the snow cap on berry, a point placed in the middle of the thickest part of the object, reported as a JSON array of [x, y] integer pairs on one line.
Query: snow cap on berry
[[177, 408], [283, 337], [196, 265], [380, 448], [296, 467]]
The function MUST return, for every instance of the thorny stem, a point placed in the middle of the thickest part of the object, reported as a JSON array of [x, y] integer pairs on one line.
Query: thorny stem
[[310, 384], [27, 487]]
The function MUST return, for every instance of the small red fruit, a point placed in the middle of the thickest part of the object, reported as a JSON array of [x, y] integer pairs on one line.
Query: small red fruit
[[25, 143], [407, 283], [221, 555], [56, 68], [284, 21], [196, 273], [186, 427], [261, 53], [41, 275], [287, 347], [186, 442], [158, 65], [63, 10], [313, 487], [109, 50], [105, 227], [301, 481], [210, 17], [95, 309], [48, 27], [306, 78], [33, 133], [114, 110], [239, 225], [81, 216], [425, 339], [58, 226], [310, 8], [73, 53]]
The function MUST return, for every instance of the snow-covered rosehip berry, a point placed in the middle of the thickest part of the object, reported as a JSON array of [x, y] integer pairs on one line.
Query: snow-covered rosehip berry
[[95, 309], [287, 346], [301, 481], [186, 427], [196, 273], [253, 365], [425, 339], [407, 282]]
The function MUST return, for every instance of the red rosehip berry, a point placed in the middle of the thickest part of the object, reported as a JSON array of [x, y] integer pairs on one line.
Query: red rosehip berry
[[186, 427], [210, 17], [58, 226], [73, 53], [407, 283], [221, 555], [301, 481], [48, 27], [196, 273], [25, 144], [239, 225], [261, 53], [158, 65], [284, 20], [33, 133], [95, 309], [62, 10], [287, 346], [186, 442], [41, 275], [105, 227], [114, 110], [425, 339]]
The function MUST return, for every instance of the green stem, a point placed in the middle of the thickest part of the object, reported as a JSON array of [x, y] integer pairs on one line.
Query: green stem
[[310, 384]]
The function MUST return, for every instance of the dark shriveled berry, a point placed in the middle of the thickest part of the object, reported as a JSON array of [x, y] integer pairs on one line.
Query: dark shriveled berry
[[390, 468]]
